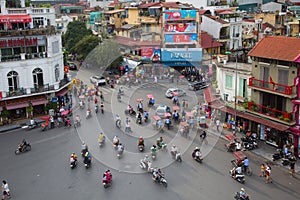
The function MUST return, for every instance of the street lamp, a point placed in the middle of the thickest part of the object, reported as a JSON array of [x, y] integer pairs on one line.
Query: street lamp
[[235, 88]]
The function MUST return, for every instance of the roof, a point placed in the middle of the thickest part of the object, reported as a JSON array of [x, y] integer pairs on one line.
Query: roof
[[277, 47], [128, 26], [226, 12], [221, 11], [221, 21], [209, 97], [202, 12], [147, 5], [207, 41], [114, 11]]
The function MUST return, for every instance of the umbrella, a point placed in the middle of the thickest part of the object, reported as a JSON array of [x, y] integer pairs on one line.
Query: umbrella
[[175, 93], [181, 76], [150, 96], [167, 115], [46, 118], [138, 100], [175, 108], [66, 112], [156, 118]]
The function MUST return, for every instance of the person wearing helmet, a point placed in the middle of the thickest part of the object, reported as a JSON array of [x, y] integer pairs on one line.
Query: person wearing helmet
[[87, 158], [243, 194], [196, 153], [141, 142], [73, 158], [107, 176], [174, 150], [84, 148]]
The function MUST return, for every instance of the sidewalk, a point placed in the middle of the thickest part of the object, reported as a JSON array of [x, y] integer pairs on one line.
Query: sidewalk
[[264, 150], [17, 125]]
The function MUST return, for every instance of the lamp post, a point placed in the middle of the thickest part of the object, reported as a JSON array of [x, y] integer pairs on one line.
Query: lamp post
[[235, 88]]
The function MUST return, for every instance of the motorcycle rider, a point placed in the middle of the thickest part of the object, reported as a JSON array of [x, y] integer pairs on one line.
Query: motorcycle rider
[[121, 90], [88, 112], [116, 141], [236, 170], [84, 148], [168, 122], [174, 150], [141, 142], [87, 158], [243, 195], [130, 109], [153, 150], [157, 174], [245, 164], [160, 142], [81, 104], [96, 108], [146, 115], [101, 138], [197, 154], [22, 145], [73, 158], [107, 176], [120, 148], [77, 119], [101, 106], [139, 118]]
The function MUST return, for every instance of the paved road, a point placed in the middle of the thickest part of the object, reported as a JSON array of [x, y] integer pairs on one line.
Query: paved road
[[44, 173]]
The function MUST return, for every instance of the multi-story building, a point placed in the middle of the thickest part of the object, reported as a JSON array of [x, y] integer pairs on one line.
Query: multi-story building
[[31, 67], [275, 89]]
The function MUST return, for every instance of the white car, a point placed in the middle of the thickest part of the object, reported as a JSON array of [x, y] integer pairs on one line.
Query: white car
[[98, 80], [161, 110], [170, 91]]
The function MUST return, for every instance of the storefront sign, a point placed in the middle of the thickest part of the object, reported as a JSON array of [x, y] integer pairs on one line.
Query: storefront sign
[[180, 38], [150, 53], [181, 28], [22, 41], [181, 55], [180, 14]]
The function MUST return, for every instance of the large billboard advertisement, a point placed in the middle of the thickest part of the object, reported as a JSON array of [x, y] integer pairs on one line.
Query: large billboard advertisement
[[150, 53], [181, 28], [180, 55], [180, 38], [180, 14]]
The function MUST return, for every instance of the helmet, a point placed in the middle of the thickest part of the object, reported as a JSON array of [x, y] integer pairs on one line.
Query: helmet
[[83, 142], [146, 156], [107, 170], [174, 145], [242, 189], [141, 138], [154, 146], [197, 148]]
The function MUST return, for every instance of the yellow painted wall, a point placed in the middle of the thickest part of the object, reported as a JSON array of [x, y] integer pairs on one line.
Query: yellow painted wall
[[267, 17], [133, 15]]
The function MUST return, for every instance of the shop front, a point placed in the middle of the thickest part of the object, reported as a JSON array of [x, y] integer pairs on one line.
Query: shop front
[[295, 132], [181, 57]]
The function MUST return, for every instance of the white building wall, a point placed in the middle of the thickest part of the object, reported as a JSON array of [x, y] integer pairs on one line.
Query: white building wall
[[101, 4], [272, 7], [195, 3]]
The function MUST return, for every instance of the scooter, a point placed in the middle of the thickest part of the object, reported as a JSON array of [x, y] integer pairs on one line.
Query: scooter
[[106, 182], [23, 150], [162, 180], [139, 120], [147, 166], [278, 155], [119, 154], [176, 155], [153, 155], [87, 162], [96, 109], [237, 197], [141, 148], [118, 123], [30, 126], [88, 114], [101, 142], [132, 113], [73, 164], [238, 177], [45, 126]]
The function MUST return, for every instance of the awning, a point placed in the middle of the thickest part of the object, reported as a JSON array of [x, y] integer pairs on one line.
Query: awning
[[62, 93], [15, 18], [217, 104], [266, 122], [17, 105], [39, 102], [209, 97]]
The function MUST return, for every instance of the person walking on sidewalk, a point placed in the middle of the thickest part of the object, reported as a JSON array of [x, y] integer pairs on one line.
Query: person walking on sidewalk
[[292, 166], [203, 137], [268, 173], [218, 124], [262, 170]]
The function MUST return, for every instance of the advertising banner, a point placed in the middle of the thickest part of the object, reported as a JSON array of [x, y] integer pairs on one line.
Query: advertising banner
[[150, 53], [180, 38], [181, 28], [181, 55], [180, 14]]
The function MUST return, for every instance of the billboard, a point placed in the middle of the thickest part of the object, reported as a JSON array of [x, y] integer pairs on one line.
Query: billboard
[[181, 28], [180, 38], [150, 53], [181, 55], [180, 14]]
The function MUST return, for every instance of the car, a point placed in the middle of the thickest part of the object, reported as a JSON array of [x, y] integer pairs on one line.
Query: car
[[72, 66], [161, 110], [197, 85], [98, 80], [170, 92]]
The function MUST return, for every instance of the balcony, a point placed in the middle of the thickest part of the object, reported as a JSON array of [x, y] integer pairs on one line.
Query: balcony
[[36, 31], [273, 88], [148, 19], [271, 113], [9, 58]]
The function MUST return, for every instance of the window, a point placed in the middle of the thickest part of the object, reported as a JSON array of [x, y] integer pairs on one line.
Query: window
[[243, 87], [228, 81], [225, 96], [13, 80], [38, 77], [56, 73]]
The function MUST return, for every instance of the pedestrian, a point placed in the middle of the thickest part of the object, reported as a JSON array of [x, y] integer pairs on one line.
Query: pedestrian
[[292, 166], [268, 173], [262, 170], [5, 190], [203, 137], [127, 126], [51, 121], [218, 124]]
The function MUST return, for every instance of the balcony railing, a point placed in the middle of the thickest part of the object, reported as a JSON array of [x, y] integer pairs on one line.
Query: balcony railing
[[275, 87], [40, 89], [224, 37], [9, 58], [35, 31], [271, 112]]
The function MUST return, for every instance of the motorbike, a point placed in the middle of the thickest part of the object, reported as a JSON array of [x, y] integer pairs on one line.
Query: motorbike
[[176, 155], [96, 109], [83, 151], [19, 150], [45, 126], [250, 146], [87, 162], [118, 123], [102, 109], [141, 148], [153, 155], [162, 180], [132, 113], [145, 119], [88, 114], [101, 142], [287, 159], [30, 126], [76, 123], [106, 182], [230, 147], [197, 158], [120, 153], [73, 164], [139, 120], [238, 177], [237, 197], [278, 155], [147, 166]]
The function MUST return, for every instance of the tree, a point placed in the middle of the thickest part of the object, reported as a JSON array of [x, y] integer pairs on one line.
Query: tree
[[75, 32], [86, 45]]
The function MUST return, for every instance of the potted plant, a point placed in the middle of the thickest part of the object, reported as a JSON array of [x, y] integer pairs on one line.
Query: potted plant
[[5, 114], [280, 117], [29, 111]]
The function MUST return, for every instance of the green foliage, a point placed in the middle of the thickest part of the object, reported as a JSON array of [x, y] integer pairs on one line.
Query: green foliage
[[66, 55], [48, 5], [5, 113], [287, 119], [29, 109], [86, 45], [51, 105], [76, 31]]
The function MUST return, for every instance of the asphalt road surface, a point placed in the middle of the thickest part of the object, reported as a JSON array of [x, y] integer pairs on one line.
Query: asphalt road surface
[[44, 172]]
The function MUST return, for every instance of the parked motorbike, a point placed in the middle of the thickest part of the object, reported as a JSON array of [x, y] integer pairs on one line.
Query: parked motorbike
[[132, 113], [30, 126], [23, 149], [278, 155], [250, 146], [287, 159]]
